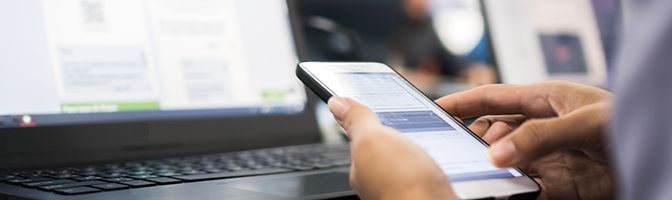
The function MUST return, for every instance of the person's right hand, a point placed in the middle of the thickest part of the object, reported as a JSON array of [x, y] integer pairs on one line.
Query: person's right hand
[[386, 164], [554, 129]]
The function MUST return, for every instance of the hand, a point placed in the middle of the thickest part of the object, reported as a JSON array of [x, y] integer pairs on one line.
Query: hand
[[385, 164], [554, 129]]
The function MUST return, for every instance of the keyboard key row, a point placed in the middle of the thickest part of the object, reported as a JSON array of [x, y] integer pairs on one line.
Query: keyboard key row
[[177, 170]]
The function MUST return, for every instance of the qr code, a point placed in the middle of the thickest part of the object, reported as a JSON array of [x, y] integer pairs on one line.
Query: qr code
[[93, 11]]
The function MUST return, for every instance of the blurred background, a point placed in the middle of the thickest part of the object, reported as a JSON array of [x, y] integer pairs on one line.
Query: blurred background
[[443, 46]]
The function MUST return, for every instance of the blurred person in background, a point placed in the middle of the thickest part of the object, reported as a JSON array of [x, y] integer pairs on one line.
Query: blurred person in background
[[401, 33], [430, 45]]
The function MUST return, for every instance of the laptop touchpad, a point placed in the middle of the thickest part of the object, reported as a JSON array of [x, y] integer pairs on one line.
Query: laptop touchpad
[[299, 186]]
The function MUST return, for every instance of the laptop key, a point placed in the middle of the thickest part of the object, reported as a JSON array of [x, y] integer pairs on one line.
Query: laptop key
[[110, 186], [169, 174], [138, 183], [118, 179], [112, 175], [69, 185], [164, 180], [143, 176], [33, 175], [87, 178], [50, 182], [192, 172], [7, 177], [76, 190], [89, 173], [27, 180], [61, 176], [221, 175]]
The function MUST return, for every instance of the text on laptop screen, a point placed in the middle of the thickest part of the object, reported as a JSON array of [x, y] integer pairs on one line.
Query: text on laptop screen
[[90, 61]]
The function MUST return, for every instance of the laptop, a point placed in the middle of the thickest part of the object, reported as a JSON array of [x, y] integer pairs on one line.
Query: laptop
[[158, 99]]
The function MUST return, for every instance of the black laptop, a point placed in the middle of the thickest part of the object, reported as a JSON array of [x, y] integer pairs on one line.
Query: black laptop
[[158, 99]]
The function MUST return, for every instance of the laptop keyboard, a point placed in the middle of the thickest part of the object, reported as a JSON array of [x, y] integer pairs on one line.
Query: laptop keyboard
[[127, 175]]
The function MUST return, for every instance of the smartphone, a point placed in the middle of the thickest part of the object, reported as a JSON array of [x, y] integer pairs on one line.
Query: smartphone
[[460, 153]]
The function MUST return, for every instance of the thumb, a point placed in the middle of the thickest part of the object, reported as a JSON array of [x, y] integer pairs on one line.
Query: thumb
[[353, 116], [534, 139]]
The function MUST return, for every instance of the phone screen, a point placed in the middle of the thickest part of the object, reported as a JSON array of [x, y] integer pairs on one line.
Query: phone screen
[[402, 107]]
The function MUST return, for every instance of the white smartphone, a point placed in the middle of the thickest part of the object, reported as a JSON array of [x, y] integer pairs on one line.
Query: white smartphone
[[461, 154]]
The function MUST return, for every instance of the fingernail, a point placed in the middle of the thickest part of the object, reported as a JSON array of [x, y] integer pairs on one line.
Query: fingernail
[[502, 153], [339, 106]]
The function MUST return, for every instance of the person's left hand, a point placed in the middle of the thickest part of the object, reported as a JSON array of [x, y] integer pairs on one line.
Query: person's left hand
[[565, 174], [385, 164], [556, 130]]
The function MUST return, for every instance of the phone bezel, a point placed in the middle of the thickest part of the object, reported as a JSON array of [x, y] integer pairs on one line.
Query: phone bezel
[[522, 187]]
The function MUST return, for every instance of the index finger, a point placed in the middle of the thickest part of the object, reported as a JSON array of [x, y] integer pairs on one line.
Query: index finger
[[496, 100]]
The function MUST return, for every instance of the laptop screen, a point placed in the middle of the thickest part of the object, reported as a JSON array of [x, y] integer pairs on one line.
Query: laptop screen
[[100, 61]]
